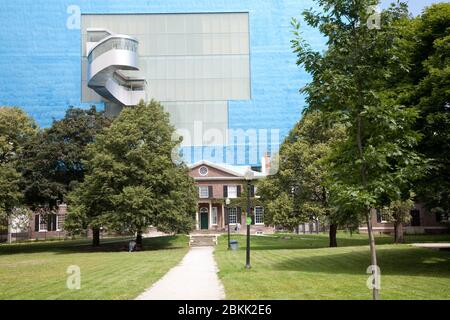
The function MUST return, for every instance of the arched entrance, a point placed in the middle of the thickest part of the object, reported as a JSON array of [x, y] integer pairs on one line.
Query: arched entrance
[[204, 219]]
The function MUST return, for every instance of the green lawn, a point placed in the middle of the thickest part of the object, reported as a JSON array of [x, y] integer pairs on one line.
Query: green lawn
[[305, 268], [38, 270]]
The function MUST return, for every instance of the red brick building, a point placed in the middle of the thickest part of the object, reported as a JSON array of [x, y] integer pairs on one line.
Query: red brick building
[[44, 225], [217, 182], [422, 222]]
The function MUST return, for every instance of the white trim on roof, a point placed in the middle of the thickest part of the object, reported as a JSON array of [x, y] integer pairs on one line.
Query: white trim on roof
[[224, 178], [233, 170]]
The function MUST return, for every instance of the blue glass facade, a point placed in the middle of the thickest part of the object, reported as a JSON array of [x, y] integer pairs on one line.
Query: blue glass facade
[[40, 65]]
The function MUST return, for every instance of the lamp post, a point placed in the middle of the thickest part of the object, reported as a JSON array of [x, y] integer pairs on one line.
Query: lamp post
[[249, 175], [227, 203]]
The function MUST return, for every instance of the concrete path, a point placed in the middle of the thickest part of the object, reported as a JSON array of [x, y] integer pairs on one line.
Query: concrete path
[[440, 246], [195, 278]]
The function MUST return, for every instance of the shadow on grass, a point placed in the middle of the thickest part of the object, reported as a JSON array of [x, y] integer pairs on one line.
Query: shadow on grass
[[85, 246], [280, 242], [401, 261], [317, 241]]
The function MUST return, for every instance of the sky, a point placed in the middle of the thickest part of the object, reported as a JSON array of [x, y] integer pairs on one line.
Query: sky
[[415, 6]]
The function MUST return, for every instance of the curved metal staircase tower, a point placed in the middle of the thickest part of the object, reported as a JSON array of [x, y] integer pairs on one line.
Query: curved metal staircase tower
[[108, 54]]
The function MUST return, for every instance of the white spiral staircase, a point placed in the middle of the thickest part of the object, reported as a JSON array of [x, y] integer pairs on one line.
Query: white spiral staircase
[[108, 54]]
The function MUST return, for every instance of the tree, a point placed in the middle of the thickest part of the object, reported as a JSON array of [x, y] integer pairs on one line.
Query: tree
[[428, 38], [16, 128], [297, 193], [399, 213], [376, 162], [10, 195], [51, 164], [132, 182]]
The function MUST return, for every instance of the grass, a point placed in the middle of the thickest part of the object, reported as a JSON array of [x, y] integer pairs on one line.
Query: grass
[[304, 268], [38, 270]]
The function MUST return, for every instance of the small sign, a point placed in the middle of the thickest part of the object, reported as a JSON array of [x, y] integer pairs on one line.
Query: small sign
[[249, 221]]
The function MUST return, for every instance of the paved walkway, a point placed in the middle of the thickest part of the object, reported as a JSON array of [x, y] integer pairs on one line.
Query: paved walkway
[[195, 278], [441, 246]]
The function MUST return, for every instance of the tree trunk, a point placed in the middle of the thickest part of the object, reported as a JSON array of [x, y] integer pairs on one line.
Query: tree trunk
[[95, 237], [373, 253], [139, 240], [398, 232], [363, 173], [9, 230], [333, 232]]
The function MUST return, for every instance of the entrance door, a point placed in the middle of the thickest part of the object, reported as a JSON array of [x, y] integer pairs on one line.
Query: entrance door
[[204, 219]]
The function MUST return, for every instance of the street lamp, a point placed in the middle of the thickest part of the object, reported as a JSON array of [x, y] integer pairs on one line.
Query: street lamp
[[227, 204], [249, 175]]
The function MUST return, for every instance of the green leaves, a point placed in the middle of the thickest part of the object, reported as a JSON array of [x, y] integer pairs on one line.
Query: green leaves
[[360, 77], [10, 195], [132, 182], [52, 161], [298, 193], [16, 129], [428, 38]]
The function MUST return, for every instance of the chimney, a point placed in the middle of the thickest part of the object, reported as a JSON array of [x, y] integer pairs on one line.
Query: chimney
[[265, 164]]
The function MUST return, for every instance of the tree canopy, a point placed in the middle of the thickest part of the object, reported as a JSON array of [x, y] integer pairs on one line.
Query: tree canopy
[[428, 37], [297, 193], [377, 163], [51, 164], [16, 129], [132, 182]]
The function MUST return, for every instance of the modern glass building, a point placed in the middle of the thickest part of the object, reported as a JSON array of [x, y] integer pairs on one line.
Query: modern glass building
[[224, 70]]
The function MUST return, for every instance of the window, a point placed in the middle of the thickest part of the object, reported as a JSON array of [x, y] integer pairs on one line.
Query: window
[[232, 215], [42, 223], [255, 192], [59, 222], [203, 171], [232, 192], [259, 215], [442, 217], [415, 218], [378, 216], [384, 216], [203, 192], [214, 216]]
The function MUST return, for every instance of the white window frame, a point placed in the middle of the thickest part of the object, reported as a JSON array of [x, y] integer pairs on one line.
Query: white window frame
[[203, 168], [214, 216], [41, 217], [255, 189], [234, 211], [261, 214], [57, 222], [201, 191], [383, 215], [235, 191]]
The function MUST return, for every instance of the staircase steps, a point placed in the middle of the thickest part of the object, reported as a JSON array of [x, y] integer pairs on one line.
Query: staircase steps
[[197, 240]]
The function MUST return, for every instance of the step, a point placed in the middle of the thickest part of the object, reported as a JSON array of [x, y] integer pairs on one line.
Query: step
[[203, 240]]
